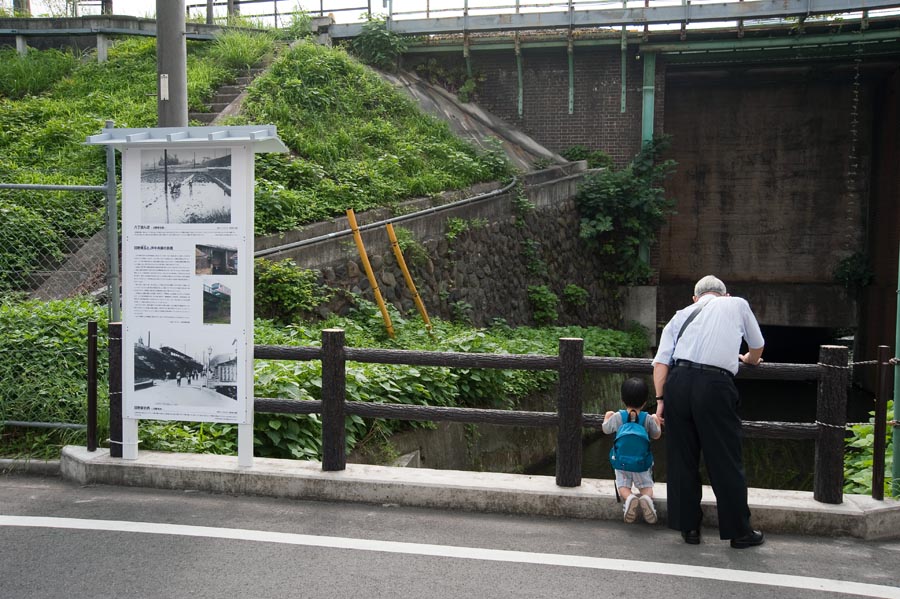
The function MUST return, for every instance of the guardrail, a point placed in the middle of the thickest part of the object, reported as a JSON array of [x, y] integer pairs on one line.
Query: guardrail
[[832, 374]]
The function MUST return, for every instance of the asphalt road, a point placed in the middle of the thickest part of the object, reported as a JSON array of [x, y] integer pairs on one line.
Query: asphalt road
[[61, 540]]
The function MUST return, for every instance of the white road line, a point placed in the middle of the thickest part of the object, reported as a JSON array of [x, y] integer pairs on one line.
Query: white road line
[[524, 557]]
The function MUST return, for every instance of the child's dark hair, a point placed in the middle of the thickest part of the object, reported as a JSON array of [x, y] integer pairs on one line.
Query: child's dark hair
[[634, 392]]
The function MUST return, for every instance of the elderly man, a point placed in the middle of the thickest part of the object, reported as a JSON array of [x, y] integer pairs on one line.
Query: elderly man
[[693, 373]]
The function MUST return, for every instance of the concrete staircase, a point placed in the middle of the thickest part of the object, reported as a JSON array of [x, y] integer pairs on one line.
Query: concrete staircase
[[227, 100]]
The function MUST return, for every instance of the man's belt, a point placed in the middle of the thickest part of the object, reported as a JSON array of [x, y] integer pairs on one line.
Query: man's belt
[[689, 364]]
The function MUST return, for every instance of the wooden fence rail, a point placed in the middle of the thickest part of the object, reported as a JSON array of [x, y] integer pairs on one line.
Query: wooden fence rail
[[832, 374]]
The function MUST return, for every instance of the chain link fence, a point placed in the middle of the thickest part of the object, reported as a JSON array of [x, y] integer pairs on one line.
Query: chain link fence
[[39, 258]]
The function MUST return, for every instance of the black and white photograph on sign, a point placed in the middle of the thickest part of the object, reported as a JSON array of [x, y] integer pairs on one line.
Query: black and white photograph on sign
[[216, 260], [216, 302], [182, 186], [184, 371]]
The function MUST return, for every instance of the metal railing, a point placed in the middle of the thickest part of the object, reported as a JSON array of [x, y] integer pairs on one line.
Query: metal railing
[[832, 374]]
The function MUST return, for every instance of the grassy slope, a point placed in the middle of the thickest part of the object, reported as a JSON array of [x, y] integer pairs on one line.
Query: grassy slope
[[355, 142]]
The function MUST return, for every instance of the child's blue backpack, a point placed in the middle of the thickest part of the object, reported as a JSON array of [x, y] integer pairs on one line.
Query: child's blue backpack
[[631, 449]]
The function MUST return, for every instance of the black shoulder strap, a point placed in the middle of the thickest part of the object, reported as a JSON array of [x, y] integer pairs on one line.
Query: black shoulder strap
[[689, 320]]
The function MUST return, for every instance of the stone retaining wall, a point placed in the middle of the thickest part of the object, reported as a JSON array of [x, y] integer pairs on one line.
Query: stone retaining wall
[[480, 273]]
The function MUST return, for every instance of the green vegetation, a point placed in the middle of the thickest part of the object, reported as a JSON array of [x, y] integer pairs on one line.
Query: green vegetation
[[576, 296], [355, 142], [378, 47], [43, 373], [33, 73], [454, 79], [858, 457], [457, 226], [595, 158], [622, 211], [543, 304], [854, 272], [284, 292], [42, 138], [237, 51], [43, 376]]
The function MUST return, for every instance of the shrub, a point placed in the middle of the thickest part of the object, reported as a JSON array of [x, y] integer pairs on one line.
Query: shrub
[[576, 296], [285, 292], [378, 47], [543, 304], [622, 210], [595, 158]]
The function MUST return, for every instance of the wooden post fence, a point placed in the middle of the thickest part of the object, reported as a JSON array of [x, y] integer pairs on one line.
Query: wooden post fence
[[334, 387], [831, 419], [832, 374], [568, 406]]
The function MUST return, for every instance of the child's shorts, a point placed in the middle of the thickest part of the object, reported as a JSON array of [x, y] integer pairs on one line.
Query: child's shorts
[[641, 480]]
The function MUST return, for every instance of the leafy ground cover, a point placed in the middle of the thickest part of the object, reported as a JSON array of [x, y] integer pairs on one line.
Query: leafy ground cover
[[43, 370]]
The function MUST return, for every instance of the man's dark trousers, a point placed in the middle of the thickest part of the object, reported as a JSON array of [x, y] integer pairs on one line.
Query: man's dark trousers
[[701, 416]]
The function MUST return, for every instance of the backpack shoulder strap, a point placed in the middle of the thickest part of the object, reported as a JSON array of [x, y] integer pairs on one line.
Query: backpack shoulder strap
[[689, 320]]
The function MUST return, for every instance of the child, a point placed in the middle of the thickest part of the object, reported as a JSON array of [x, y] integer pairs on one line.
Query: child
[[630, 454]]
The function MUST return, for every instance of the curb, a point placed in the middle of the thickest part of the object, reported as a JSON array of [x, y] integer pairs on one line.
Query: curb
[[776, 511], [30, 466]]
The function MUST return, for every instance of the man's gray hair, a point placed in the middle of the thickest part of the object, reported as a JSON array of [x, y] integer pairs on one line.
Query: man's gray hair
[[709, 284]]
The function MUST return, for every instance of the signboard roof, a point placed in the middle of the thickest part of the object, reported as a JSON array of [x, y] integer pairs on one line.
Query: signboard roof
[[263, 138]]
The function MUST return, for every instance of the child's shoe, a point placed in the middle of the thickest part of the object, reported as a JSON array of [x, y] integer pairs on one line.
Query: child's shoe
[[648, 509], [631, 508]]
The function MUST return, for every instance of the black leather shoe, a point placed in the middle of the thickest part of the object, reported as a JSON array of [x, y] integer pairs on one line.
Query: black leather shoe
[[751, 539], [692, 537]]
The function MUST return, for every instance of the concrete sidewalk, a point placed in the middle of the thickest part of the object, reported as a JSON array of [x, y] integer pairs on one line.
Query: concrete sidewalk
[[773, 510]]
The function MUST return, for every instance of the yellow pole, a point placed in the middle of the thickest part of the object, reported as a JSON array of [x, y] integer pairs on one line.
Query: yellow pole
[[351, 217], [409, 282]]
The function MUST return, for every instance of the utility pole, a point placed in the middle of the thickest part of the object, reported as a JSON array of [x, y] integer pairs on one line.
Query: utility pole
[[171, 64]]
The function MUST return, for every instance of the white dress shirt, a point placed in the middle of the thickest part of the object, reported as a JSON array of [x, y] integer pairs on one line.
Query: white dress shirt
[[714, 336]]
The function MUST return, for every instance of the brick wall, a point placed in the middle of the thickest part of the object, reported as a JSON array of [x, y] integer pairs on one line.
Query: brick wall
[[597, 121]]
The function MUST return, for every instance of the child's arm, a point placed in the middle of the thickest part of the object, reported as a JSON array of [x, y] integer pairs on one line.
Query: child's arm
[[610, 423], [653, 427]]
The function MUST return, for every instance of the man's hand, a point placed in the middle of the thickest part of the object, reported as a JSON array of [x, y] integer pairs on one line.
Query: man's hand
[[752, 357]]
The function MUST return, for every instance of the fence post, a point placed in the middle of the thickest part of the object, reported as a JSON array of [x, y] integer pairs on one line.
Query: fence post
[[881, 399], [92, 386], [568, 406], [831, 418], [115, 389], [334, 379]]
